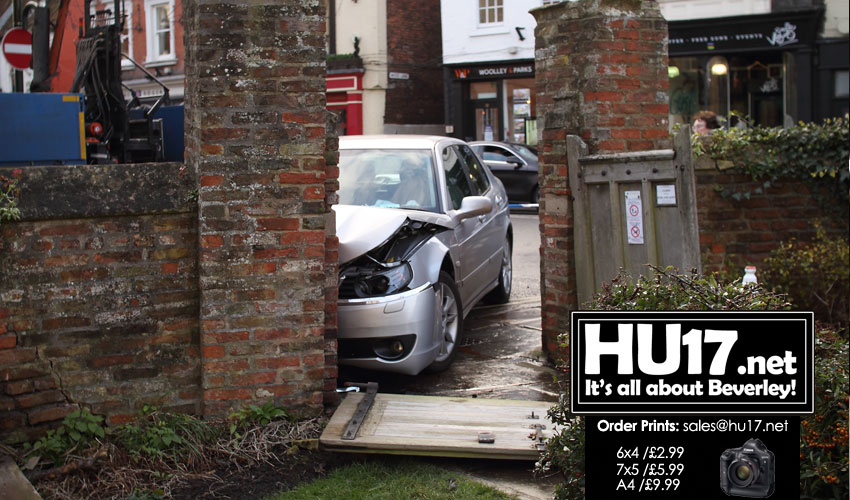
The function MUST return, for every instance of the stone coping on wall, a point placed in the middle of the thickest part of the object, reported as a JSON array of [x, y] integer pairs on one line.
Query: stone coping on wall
[[83, 191]]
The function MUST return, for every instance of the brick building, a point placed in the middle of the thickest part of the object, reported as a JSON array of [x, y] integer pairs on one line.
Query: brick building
[[384, 71]]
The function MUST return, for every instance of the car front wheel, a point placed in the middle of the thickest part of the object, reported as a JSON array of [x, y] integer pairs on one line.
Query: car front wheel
[[451, 322]]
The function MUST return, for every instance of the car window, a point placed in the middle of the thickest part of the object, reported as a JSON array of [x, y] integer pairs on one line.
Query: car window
[[476, 171], [529, 153], [495, 153], [457, 181], [388, 178]]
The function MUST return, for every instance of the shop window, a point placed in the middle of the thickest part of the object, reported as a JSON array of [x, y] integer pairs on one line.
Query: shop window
[[685, 98], [483, 90], [717, 86], [160, 31], [490, 11], [841, 85], [741, 90], [789, 65], [520, 109]]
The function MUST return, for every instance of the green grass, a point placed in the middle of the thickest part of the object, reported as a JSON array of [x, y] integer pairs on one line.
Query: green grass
[[392, 480]]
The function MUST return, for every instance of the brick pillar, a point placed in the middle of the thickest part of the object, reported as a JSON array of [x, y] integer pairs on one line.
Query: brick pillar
[[255, 132], [601, 70]]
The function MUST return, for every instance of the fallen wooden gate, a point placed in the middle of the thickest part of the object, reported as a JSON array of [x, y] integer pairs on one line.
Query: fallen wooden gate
[[632, 209], [441, 426]]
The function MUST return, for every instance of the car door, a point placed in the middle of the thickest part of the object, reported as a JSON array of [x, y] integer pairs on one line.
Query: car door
[[508, 167], [476, 237], [468, 268]]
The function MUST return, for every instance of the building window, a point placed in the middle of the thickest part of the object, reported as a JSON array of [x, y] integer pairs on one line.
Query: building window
[[126, 34], [160, 32], [104, 16], [717, 86], [490, 11], [841, 84]]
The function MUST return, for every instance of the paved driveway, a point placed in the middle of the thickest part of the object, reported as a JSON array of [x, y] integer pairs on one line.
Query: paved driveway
[[500, 356]]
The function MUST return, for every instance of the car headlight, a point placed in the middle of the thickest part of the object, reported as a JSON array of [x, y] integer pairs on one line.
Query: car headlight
[[385, 280]]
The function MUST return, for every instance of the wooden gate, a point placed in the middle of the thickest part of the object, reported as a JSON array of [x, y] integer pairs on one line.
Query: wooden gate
[[632, 209], [398, 424]]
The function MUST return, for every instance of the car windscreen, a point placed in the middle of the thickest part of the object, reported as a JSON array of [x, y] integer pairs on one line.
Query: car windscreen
[[388, 178]]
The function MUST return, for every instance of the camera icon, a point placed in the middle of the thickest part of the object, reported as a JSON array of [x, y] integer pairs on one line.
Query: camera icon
[[748, 471]]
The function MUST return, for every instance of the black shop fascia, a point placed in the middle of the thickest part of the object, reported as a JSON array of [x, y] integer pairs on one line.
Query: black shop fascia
[[491, 101], [770, 68]]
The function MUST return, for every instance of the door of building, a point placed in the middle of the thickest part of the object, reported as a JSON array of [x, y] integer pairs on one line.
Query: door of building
[[486, 120]]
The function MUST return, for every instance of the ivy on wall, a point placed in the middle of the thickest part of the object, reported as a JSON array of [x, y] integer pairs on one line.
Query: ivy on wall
[[816, 154]]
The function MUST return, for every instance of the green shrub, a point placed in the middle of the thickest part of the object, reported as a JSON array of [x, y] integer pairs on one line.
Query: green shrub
[[79, 428], [823, 435], [670, 291], [9, 192], [565, 452], [815, 275], [252, 415], [163, 435], [667, 290], [816, 154]]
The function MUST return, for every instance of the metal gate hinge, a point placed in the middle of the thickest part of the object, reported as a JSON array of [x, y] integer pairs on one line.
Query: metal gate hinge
[[363, 407]]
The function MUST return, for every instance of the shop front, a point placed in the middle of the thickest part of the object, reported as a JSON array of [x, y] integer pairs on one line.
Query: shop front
[[492, 102], [345, 99], [755, 70]]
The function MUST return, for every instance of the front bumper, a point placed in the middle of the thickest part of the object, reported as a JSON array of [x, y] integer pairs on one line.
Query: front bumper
[[363, 322]]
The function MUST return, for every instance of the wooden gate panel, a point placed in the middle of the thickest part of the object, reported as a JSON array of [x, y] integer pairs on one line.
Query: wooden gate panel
[[599, 184]]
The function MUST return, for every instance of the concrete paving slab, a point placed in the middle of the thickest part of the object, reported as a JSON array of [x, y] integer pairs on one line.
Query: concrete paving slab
[[13, 484]]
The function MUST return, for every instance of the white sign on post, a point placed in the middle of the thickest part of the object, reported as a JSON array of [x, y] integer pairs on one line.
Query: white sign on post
[[634, 218], [665, 194]]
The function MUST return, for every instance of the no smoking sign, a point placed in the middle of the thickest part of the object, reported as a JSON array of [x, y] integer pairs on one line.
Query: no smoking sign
[[634, 217]]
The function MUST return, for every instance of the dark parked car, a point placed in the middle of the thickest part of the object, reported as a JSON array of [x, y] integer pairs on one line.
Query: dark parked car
[[515, 165]]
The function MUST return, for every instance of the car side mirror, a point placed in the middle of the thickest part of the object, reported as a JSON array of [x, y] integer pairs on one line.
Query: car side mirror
[[472, 206], [516, 162]]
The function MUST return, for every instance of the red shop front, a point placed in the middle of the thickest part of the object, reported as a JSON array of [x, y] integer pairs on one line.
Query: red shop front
[[345, 98]]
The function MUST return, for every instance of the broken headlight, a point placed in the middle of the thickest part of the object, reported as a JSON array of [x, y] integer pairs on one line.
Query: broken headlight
[[383, 279]]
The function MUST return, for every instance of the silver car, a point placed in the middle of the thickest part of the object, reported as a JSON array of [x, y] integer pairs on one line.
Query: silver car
[[424, 234]]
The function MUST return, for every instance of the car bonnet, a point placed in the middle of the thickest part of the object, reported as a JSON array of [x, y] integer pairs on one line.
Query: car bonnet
[[361, 229]]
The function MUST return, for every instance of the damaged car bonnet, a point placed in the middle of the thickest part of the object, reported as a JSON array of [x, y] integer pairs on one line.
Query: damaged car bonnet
[[374, 245], [360, 229]]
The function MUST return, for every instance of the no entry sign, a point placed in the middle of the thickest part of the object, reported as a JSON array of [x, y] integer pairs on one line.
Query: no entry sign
[[17, 48]]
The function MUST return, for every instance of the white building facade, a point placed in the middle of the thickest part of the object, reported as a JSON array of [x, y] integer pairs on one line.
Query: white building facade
[[488, 59], [775, 62]]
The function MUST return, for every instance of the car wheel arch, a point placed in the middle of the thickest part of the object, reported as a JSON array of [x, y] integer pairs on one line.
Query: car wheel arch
[[448, 266]]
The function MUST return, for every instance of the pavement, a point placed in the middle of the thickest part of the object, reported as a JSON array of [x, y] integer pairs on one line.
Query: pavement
[[499, 357]]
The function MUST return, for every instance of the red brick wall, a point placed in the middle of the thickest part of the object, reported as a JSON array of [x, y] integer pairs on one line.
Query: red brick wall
[[414, 46], [97, 308], [255, 131], [196, 287], [601, 70], [736, 234]]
